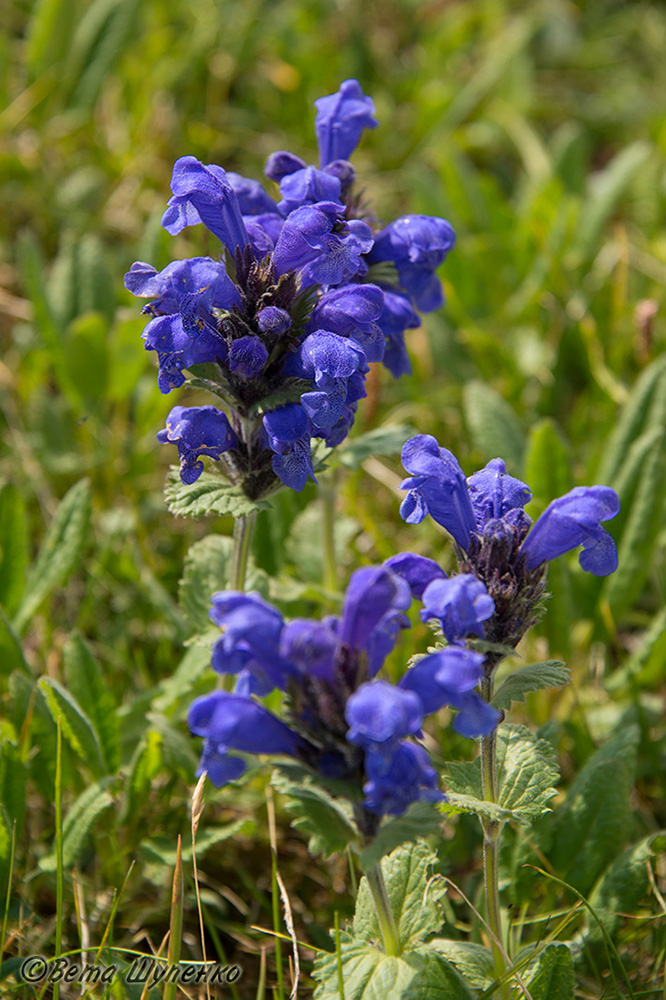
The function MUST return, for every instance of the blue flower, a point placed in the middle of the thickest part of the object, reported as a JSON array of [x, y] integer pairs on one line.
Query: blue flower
[[197, 430], [288, 432], [573, 520], [417, 245], [460, 604], [352, 311], [247, 357], [341, 118], [240, 723], [330, 361], [202, 193], [493, 493], [249, 645], [306, 187], [407, 776], [449, 677], [437, 487], [396, 317], [417, 571]]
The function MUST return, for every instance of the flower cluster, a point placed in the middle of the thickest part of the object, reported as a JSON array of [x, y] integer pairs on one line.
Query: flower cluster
[[502, 556], [284, 329], [342, 721]]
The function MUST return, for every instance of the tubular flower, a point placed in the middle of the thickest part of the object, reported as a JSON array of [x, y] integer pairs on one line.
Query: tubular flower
[[288, 317], [341, 719], [485, 516]]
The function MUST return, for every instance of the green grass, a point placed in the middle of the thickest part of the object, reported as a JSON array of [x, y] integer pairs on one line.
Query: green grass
[[537, 129]]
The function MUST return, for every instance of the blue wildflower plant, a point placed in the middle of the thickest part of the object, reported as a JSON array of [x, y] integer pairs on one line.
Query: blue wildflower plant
[[342, 721], [281, 327], [502, 556]]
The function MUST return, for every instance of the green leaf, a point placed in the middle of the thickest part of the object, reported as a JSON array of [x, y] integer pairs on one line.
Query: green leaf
[[12, 784], [163, 849], [209, 495], [303, 544], [11, 653], [79, 823], [414, 895], [590, 828], [86, 356], [553, 977], [86, 684], [100, 37], [434, 978], [636, 546], [77, 728], [144, 766], [547, 462], [646, 663], [527, 770], [474, 962], [495, 428], [606, 187], [14, 553], [644, 410], [521, 682], [385, 440], [420, 819], [623, 885], [207, 569], [175, 689], [328, 822], [60, 552]]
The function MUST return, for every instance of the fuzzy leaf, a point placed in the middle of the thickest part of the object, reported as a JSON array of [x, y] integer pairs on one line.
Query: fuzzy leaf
[[473, 961], [456, 803], [386, 440], [553, 977], [207, 570], [327, 821], [86, 684], [210, 495], [60, 553], [590, 828], [303, 545], [77, 728], [495, 428], [521, 682], [415, 904]]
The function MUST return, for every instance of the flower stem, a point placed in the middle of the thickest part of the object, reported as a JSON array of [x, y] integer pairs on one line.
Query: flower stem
[[492, 830], [385, 916], [240, 552]]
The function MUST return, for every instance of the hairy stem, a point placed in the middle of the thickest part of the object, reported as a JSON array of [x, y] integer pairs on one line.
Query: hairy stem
[[385, 915], [240, 552], [492, 830]]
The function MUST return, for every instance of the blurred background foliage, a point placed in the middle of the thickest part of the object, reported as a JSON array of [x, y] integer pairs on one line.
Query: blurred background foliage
[[537, 129]]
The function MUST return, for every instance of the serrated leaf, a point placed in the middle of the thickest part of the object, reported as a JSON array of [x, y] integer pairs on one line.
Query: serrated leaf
[[328, 822], [590, 828], [553, 976], [78, 824], [495, 428], [60, 552], [527, 770], [87, 685], [420, 819], [623, 885], [369, 974], [209, 495], [474, 962], [13, 547], [415, 903], [534, 677], [207, 570], [77, 728], [385, 440]]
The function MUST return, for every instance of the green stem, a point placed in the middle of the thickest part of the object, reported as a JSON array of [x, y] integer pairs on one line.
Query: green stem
[[492, 830], [240, 552], [327, 495], [385, 916]]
